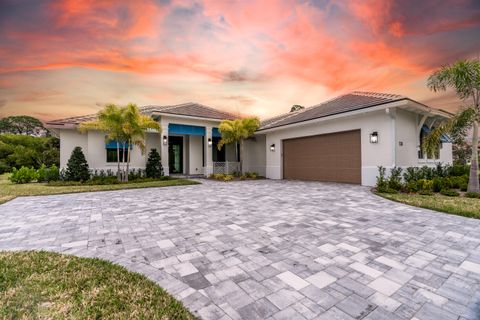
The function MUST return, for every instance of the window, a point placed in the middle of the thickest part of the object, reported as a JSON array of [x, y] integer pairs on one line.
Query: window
[[112, 155], [423, 134]]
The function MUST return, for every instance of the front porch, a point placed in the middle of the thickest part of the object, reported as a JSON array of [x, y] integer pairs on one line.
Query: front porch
[[191, 150]]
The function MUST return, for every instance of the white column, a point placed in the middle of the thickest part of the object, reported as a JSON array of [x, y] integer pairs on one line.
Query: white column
[[164, 148], [208, 152]]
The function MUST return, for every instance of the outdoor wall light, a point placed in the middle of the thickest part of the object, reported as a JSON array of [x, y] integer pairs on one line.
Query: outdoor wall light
[[165, 140], [209, 142], [374, 137], [272, 147]]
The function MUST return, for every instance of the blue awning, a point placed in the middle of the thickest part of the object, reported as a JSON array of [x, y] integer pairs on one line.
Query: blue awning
[[113, 145], [174, 128], [443, 138], [216, 133]]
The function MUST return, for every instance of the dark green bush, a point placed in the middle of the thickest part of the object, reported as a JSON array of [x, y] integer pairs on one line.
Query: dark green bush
[[154, 167], [425, 185], [411, 174], [449, 193], [23, 175], [53, 174], [439, 184], [395, 179], [77, 166], [42, 174], [475, 195], [411, 186], [382, 183], [459, 170]]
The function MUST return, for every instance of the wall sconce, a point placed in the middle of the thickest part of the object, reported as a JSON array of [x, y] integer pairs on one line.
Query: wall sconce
[[374, 137], [209, 142], [165, 140], [272, 147]]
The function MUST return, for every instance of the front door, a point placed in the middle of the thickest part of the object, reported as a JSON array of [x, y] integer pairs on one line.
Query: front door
[[175, 154]]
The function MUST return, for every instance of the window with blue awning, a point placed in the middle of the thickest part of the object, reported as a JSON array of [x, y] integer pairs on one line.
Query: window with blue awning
[[113, 145], [174, 128]]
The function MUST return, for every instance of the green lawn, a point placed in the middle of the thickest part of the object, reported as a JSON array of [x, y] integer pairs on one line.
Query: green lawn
[[44, 285], [9, 191], [454, 205]]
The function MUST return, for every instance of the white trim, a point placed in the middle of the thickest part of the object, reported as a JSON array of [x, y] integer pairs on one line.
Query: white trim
[[185, 117]]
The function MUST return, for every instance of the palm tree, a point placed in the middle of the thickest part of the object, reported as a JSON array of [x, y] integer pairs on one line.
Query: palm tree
[[236, 131], [110, 121], [134, 126], [464, 77], [125, 125]]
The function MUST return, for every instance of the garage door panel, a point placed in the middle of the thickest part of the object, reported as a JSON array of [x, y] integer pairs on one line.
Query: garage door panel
[[332, 157]]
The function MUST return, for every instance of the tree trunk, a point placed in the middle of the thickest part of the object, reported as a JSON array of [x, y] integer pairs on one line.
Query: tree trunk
[[119, 174], [128, 161], [473, 183]]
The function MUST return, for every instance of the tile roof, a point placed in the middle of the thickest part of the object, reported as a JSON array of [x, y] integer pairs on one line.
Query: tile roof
[[349, 102], [185, 109]]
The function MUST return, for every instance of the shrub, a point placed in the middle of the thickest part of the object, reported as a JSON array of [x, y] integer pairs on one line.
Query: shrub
[[136, 174], [228, 177], [411, 174], [438, 184], [382, 183], [395, 179], [424, 185], [77, 166], [411, 186], [449, 193], [154, 167], [426, 173], [475, 195], [464, 186], [42, 174], [250, 175], [23, 175], [459, 170], [425, 192], [455, 182]]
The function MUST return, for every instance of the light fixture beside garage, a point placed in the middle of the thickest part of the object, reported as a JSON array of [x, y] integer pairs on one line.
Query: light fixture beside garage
[[374, 137], [209, 142], [165, 140], [272, 147]]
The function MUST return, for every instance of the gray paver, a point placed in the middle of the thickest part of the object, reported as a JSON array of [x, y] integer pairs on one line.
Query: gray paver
[[268, 249]]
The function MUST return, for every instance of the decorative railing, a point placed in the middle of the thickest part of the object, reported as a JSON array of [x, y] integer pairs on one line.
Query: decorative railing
[[226, 167]]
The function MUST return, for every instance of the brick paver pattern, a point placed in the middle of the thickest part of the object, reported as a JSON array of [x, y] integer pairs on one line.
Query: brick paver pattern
[[268, 249]]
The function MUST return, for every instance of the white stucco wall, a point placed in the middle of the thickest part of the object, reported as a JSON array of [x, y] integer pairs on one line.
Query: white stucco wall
[[373, 154], [69, 139], [254, 159], [195, 155]]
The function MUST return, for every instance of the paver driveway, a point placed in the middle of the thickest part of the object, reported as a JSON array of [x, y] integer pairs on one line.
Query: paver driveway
[[261, 249]]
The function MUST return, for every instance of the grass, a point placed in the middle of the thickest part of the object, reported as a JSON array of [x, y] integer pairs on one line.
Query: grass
[[461, 206], [45, 285], [9, 191]]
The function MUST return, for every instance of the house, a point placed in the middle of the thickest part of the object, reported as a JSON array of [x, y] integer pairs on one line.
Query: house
[[341, 140]]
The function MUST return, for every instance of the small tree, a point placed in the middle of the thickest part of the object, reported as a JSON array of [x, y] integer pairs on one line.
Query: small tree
[[236, 131], [77, 166], [154, 167]]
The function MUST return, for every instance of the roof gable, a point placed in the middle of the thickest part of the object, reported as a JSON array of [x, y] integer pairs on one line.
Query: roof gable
[[341, 104], [186, 109]]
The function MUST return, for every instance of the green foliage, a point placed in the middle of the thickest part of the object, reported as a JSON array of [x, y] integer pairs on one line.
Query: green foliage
[[411, 187], [23, 175], [411, 174], [251, 175], [154, 167], [424, 185], [24, 125], [233, 131], [449, 193], [21, 150], [425, 192], [439, 183], [42, 174], [395, 179], [475, 195], [77, 166], [382, 182], [221, 177], [52, 174]]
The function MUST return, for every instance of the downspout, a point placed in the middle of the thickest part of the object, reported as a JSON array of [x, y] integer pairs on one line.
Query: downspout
[[393, 126]]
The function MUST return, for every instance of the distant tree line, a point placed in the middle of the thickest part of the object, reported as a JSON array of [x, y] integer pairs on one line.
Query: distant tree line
[[24, 141]]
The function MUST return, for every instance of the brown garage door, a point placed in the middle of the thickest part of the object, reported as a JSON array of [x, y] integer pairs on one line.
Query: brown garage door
[[334, 157]]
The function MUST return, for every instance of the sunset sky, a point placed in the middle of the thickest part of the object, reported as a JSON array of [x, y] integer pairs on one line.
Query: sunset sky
[[67, 58]]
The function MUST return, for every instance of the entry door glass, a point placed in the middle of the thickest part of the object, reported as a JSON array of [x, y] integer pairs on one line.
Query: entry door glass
[[175, 154]]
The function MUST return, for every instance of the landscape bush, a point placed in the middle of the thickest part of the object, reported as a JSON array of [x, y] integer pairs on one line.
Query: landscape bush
[[449, 193], [154, 167], [475, 195], [23, 175], [77, 166]]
